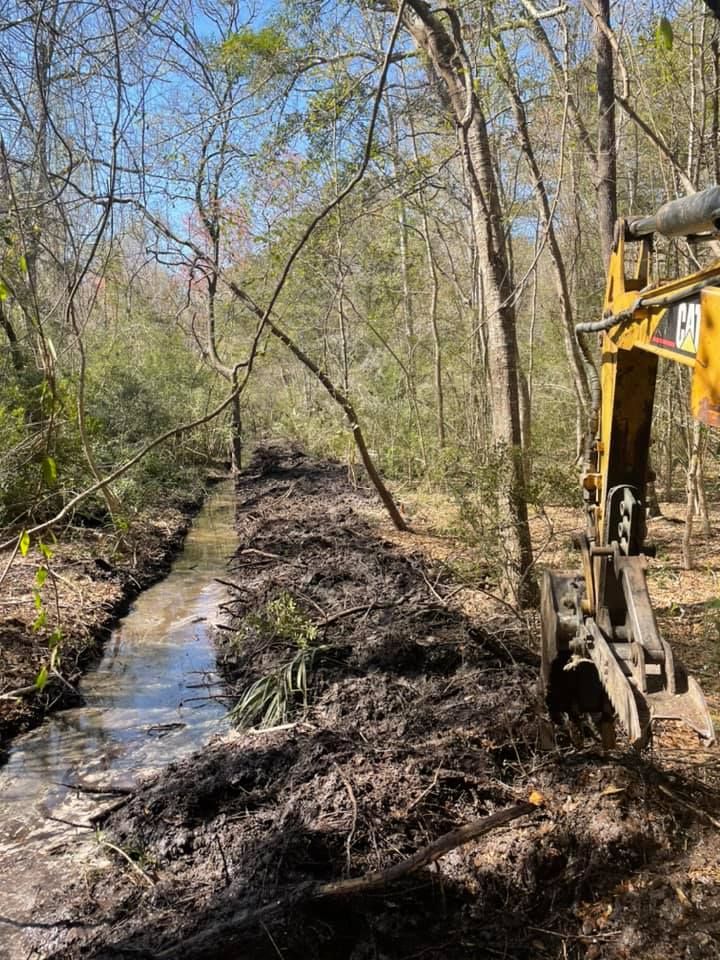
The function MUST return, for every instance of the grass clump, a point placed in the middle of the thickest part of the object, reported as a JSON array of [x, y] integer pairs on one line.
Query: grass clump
[[272, 699]]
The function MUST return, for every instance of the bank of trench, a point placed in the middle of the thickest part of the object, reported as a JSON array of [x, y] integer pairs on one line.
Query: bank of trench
[[417, 720], [91, 579]]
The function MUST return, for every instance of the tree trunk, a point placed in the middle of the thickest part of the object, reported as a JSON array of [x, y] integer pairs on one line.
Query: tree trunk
[[452, 67], [236, 444], [542, 203], [606, 152], [691, 492]]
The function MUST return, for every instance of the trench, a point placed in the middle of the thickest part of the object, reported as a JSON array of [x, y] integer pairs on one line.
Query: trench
[[150, 701]]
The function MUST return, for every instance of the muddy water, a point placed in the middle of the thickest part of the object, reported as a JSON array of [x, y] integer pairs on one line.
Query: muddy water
[[149, 702]]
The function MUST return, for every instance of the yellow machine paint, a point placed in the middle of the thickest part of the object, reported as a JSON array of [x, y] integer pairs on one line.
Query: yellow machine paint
[[602, 652]]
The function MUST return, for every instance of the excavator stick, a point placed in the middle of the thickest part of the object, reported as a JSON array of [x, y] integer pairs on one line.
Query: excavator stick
[[602, 652]]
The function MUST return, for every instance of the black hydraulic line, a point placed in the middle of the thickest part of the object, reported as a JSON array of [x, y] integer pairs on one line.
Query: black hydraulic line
[[598, 326], [647, 303]]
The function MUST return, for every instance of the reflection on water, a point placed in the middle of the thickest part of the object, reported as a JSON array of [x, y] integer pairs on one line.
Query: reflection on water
[[148, 703]]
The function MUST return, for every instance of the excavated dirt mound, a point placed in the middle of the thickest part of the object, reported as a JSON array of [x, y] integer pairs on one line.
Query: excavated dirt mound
[[416, 722]]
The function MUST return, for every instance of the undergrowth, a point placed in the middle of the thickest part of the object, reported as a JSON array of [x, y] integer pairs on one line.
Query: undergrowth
[[274, 697]]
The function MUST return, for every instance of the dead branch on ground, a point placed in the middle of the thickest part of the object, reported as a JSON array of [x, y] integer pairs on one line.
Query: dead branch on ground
[[204, 944]]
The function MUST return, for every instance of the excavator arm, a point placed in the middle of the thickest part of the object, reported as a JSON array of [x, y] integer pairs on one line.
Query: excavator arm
[[602, 652]]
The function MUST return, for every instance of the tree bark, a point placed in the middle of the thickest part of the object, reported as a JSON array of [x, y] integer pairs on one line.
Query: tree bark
[[542, 203], [451, 65], [606, 151]]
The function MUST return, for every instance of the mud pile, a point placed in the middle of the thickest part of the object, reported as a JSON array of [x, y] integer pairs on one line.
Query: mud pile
[[416, 721]]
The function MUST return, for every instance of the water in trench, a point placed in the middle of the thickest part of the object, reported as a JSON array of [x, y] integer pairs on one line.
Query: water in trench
[[150, 701]]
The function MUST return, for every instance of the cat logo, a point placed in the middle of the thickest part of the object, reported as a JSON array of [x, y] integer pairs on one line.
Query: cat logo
[[679, 328]]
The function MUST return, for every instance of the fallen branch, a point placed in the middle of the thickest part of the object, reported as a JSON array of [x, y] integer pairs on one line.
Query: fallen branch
[[363, 608], [231, 584], [204, 944], [100, 815], [429, 854], [689, 806], [99, 789]]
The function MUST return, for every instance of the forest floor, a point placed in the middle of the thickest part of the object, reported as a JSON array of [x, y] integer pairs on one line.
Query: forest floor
[[420, 717], [91, 578]]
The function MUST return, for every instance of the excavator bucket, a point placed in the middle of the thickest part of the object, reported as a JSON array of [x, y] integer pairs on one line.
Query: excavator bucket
[[627, 673]]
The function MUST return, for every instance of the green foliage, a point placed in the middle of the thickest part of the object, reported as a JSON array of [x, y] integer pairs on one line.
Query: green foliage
[[271, 699], [245, 51], [282, 620], [326, 106], [664, 34], [49, 470]]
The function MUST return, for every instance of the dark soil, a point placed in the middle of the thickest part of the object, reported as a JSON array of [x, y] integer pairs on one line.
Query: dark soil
[[418, 721], [94, 576]]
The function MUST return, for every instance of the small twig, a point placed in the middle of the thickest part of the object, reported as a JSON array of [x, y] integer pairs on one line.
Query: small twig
[[363, 608], [256, 731], [307, 599], [353, 801], [70, 823], [270, 938], [68, 583], [58, 676], [231, 584], [10, 560], [430, 587], [417, 799], [19, 693], [226, 872], [263, 553], [599, 935]]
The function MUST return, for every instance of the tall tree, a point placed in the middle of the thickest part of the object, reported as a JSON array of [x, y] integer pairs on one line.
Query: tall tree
[[442, 43]]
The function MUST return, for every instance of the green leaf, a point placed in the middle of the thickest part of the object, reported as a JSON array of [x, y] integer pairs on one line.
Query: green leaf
[[41, 679], [49, 470], [23, 264], [41, 576], [40, 620], [55, 638], [45, 550], [664, 34], [54, 657], [4, 292], [24, 543], [37, 600]]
